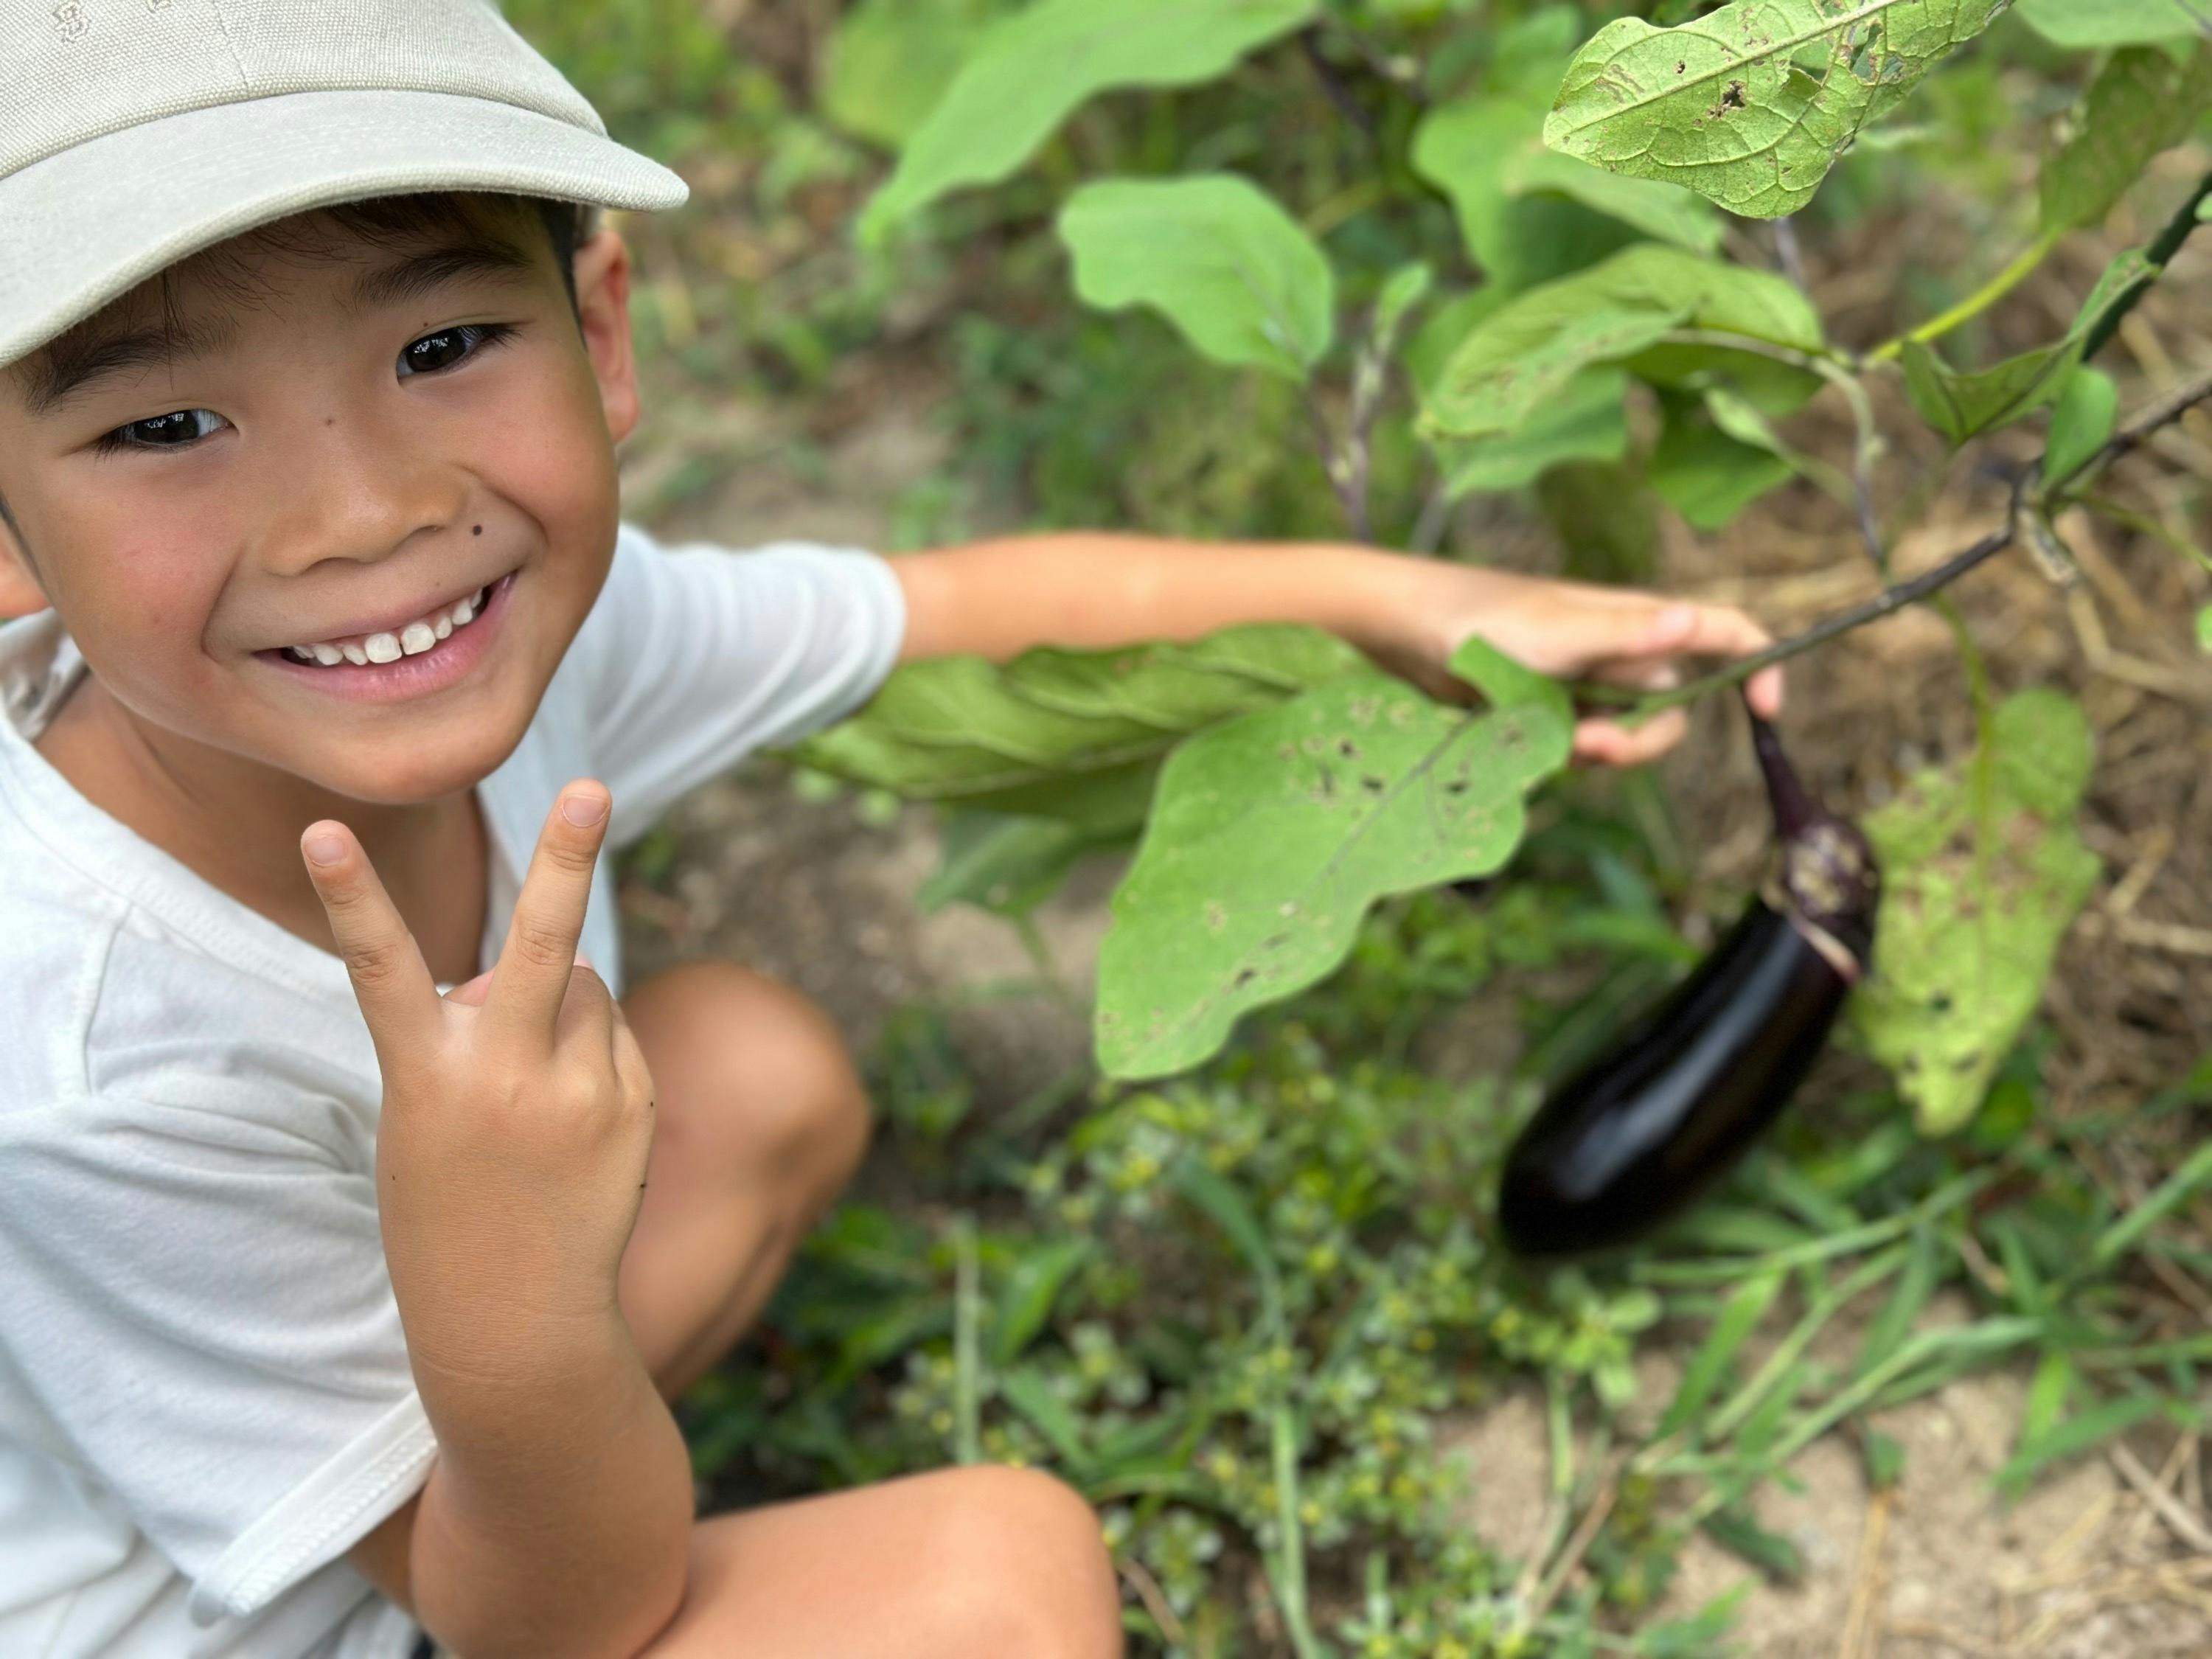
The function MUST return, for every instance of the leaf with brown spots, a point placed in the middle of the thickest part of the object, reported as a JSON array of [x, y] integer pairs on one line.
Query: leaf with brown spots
[[1272, 835], [1971, 916], [1726, 104]]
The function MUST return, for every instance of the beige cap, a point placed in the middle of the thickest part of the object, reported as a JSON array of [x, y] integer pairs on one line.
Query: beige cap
[[134, 133]]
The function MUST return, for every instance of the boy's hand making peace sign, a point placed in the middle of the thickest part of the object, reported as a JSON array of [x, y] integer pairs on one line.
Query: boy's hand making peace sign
[[518, 1110]]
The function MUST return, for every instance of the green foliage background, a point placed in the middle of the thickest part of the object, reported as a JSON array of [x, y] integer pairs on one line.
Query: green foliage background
[[1491, 249]]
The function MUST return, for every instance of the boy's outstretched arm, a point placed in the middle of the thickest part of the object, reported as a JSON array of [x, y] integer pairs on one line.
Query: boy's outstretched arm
[[510, 1168], [1083, 589]]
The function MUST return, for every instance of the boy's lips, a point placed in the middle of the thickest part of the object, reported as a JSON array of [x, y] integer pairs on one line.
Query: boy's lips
[[443, 664]]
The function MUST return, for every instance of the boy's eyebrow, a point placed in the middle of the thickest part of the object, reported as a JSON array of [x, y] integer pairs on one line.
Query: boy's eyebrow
[[73, 366]]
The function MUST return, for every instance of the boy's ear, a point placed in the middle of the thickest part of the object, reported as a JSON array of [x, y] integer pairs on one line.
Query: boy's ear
[[602, 271], [20, 592]]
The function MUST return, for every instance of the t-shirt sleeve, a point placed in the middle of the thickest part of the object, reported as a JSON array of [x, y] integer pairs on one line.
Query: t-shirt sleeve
[[198, 1302], [697, 655]]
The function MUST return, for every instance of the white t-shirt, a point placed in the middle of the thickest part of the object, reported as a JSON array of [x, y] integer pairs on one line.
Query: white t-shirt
[[204, 1392]]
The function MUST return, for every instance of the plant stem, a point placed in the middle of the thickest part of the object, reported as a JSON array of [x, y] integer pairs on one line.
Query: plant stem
[[1866, 449], [2161, 253], [1975, 303], [1889, 601]]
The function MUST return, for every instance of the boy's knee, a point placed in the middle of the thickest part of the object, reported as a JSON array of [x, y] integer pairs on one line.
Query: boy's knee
[[773, 1074], [1024, 1566]]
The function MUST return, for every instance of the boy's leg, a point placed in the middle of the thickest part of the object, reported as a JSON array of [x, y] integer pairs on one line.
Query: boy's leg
[[759, 1121], [982, 1563]]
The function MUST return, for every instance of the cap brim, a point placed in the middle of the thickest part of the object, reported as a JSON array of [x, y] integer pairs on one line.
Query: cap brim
[[91, 223]]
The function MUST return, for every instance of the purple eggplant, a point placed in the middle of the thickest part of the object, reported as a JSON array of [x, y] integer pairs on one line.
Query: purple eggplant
[[1633, 1137]]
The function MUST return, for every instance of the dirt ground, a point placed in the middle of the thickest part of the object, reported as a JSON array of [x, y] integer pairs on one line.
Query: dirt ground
[[2087, 1565]]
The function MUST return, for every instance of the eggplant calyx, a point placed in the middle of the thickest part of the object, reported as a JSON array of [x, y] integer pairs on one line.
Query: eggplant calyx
[[1830, 881]]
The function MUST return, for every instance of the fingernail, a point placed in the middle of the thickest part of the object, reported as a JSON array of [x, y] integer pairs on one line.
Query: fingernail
[[326, 847], [584, 960], [584, 810]]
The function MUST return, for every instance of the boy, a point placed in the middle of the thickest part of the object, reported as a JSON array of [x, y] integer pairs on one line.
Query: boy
[[346, 1285]]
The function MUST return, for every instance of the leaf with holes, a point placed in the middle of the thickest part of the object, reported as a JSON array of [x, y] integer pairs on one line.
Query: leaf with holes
[[1729, 105], [1520, 357], [1271, 836], [1973, 909], [1216, 256], [1030, 71], [2141, 104]]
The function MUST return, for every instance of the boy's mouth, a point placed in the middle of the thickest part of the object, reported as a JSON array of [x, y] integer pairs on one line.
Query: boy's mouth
[[425, 655]]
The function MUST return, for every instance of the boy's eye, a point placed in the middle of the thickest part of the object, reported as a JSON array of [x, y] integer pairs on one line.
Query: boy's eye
[[449, 346], [171, 431], [181, 428]]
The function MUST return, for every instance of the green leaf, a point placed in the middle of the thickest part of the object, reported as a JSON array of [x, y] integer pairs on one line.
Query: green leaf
[[1012, 737], [1207, 1189], [1004, 863], [1029, 1392], [1725, 106], [1889, 1329], [2045, 751], [1705, 473], [1585, 422], [1271, 836], [2177, 1189], [1040, 1274], [2204, 630], [2082, 422], [2086, 25], [891, 60], [1214, 254], [1029, 72], [1739, 1532], [1665, 213], [1525, 211], [1964, 405], [1522, 356], [2075, 1435], [1732, 1327], [1972, 912], [2142, 103]]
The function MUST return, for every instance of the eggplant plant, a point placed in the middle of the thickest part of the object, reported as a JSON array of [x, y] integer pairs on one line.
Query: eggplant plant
[[1634, 1136], [1556, 249]]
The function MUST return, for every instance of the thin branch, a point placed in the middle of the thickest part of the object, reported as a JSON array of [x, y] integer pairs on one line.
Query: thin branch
[[1894, 598], [1333, 83], [1887, 603], [1866, 449], [1787, 253]]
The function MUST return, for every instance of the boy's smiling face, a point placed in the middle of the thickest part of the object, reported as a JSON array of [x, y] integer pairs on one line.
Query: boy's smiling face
[[318, 436]]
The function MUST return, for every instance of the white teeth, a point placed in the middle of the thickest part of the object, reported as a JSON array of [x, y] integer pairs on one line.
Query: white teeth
[[411, 640]]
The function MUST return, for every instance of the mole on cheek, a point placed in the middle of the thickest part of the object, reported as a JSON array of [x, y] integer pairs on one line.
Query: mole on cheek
[[478, 531]]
